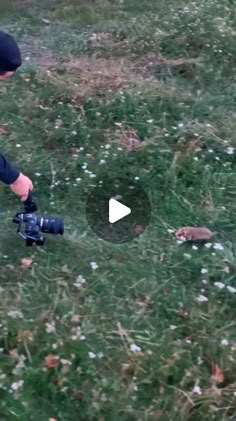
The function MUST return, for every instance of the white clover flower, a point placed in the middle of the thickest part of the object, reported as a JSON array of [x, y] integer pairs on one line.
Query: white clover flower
[[150, 121], [80, 281], [50, 327], [194, 247], [197, 391], [218, 246], [208, 245], [204, 271], [92, 355], [225, 342], [15, 314], [135, 348], [201, 299], [17, 385], [219, 285], [94, 265], [230, 150], [102, 161], [231, 289]]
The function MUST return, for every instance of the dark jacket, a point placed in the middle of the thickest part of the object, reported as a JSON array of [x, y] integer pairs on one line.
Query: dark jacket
[[8, 173]]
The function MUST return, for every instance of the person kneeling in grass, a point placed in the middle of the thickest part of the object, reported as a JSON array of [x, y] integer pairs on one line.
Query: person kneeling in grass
[[10, 60]]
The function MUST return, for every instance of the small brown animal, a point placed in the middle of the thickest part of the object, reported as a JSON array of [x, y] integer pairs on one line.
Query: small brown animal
[[194, 234]]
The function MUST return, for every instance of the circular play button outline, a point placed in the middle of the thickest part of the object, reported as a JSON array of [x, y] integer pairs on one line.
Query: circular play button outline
[[123, 201]]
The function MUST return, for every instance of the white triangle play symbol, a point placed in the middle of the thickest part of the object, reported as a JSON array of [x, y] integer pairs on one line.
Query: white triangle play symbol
[[117, 211]]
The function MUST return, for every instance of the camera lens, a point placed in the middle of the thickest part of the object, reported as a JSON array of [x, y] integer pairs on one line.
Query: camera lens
[[51, 225]]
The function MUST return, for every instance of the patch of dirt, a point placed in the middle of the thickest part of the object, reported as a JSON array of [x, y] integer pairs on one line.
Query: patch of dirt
[[38, 55]]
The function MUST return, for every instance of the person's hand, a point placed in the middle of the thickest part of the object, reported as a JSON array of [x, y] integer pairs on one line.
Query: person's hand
[[22, 186]]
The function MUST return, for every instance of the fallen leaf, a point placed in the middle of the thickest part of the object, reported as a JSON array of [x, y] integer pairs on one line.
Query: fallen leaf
[[25, 336], [26, 262], [14, 354], [4, 131], [51, 361], [217, 374], [52, 419], [138, 230], [78, 395], [194, 233], [182, 313]]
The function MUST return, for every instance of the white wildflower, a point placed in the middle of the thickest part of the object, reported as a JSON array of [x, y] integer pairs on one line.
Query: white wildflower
[[92, 175], [17, 385], [204, 271], [187, 256], [219, 285], [80, 281], [218, 246], [231, 289], [210, 150], [50, 327], [204, 281], [74, 133], [100, 355], [181, 125], [81, 148], [107, 146], [37, 174], [15, 314], [136, 178], [197, 391], [135, 348], [225, 342], [201, 299], [78, 179], [208, 245], [102, 161], [170, 231], [18, 145], [94, 265], [150, 121], [194, 247], [230, 150], [92, 355]]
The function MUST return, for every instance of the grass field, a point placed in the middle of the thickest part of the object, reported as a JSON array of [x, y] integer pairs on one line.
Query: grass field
[[148, 332]]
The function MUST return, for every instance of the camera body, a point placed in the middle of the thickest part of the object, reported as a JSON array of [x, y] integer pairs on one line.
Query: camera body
[[30, 225]]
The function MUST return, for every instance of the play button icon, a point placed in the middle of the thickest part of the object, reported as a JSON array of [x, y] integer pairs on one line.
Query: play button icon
[[117, 211]]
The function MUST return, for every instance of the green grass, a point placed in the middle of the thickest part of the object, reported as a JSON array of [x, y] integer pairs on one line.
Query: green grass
[[138, 289]]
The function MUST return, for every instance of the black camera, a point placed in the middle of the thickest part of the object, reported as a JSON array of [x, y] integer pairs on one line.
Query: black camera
[[30, 226]]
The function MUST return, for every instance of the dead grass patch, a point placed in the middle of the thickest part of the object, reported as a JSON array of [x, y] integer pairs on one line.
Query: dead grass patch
[[126, 138], [99, 76]]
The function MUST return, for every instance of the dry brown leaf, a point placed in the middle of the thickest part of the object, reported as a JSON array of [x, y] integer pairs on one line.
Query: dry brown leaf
[[26, 262], [138, 229], [25, 336], [182, 313], [4, 131], [51, 361], [217, 374], [194, 233], [14, 354]]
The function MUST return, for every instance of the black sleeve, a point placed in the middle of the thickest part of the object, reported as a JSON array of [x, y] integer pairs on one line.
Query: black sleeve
[[8, 173]]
